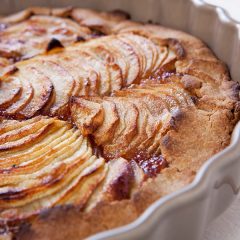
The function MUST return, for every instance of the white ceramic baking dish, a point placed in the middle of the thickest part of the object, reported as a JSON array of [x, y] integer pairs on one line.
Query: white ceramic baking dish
[[184, 214]]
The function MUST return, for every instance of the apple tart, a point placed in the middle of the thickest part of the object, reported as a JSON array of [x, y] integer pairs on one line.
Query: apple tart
[[100, 116]]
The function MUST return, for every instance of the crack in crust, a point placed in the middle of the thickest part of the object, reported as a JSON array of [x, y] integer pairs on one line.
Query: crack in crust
[[142, 108]]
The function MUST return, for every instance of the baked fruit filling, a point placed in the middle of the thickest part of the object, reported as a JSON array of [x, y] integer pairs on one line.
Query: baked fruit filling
[[99, 117], [96, 67]]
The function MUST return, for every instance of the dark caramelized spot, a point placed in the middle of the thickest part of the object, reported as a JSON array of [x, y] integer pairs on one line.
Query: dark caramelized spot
[[12, 195], [121, 13], [11, 70], [97, 150], [15, 58], [177, 47], [54, 43], [194, 99], [151, 165], [80, 39], [121, 186], [97, 33]]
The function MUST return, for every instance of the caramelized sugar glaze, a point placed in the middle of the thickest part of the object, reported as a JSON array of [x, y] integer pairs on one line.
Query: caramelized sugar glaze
[[99, 113]]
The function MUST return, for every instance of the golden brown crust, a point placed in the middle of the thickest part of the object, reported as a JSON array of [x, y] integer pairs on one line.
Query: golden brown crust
[[155, 102]]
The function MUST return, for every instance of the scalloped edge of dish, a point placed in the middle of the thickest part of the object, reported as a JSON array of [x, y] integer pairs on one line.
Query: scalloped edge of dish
[[206, 179]]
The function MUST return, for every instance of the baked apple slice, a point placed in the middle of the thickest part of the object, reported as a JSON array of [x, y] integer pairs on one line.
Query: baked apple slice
[[105, 56], [89, 60], [21, 142], [148, 124], [39, 150], [36, 92], [84, 185], [135, 60], [161, 54], [42, 90], [40, 165], [40, 159], [129, 56], [102, 22], [140, 124], [144, 50], [127, 128], [122, 180], [168, 65], [63, 84], [24, 98], [117, 184], [172, 90], [9, 125], [15, 135], [90, 113], [71, 63], [31, 37], [10, 91], [114, 56], [123, 129], [94, 73]]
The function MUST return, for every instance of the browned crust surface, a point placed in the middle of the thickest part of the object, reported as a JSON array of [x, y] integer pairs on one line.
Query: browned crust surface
[[194, 133]]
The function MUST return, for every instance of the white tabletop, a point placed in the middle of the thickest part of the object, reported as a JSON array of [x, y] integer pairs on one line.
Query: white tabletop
[[227, 226]]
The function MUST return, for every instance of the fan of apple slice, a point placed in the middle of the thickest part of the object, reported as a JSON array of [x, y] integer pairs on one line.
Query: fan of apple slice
[[98, 67], [45, 162], [31, 37], [132, 120]]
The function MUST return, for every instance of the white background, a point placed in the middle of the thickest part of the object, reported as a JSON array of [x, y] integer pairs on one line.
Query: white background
[[227, 226]]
